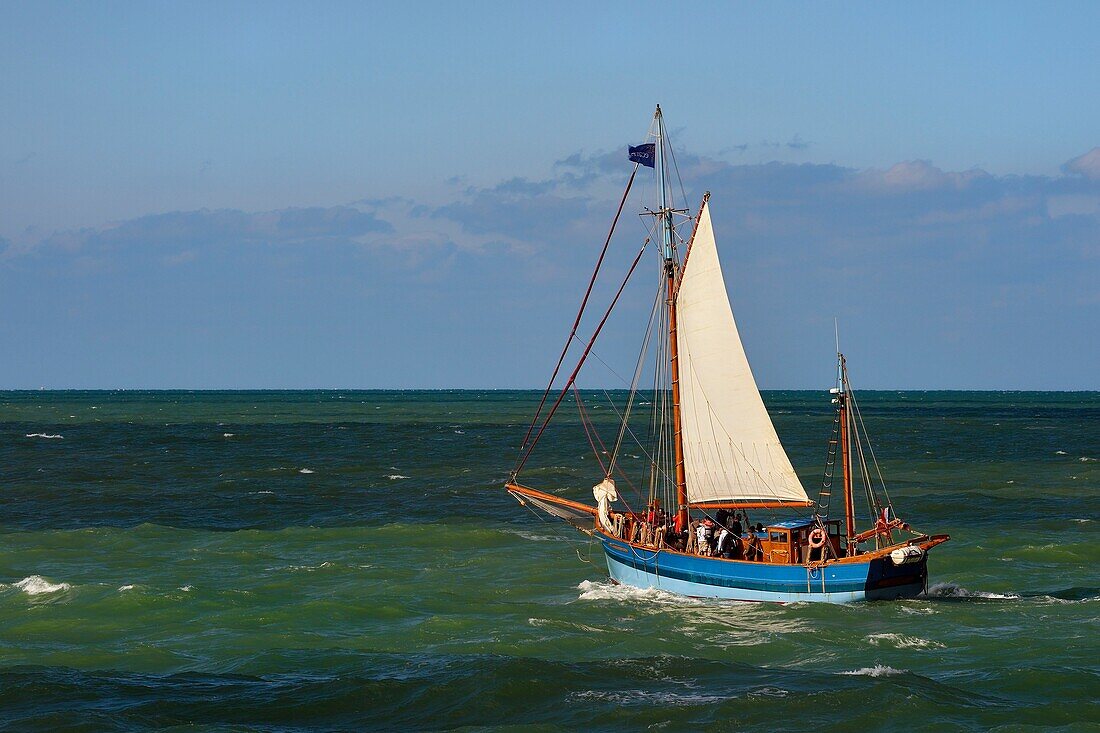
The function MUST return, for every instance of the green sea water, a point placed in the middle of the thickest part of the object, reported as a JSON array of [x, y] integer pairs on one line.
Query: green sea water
[[341, 560]]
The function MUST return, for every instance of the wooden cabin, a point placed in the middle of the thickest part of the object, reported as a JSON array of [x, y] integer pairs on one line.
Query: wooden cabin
[[789, 542]]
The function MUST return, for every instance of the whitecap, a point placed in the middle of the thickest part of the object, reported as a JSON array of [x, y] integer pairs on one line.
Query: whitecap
[[35, 585], [460, 432], [126, 587], [950, 590], [647, 697], [902, 641], [532, 536], [1059, 452], [304, 470], [879, 670], [1085, 459], [228, 435], [310, 568], [256, 493], [187, 588], [539, 622], [395, 477], [608, 591], [51, 436]]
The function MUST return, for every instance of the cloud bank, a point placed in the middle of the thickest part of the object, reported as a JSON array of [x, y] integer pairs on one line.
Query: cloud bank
[[955, 279]]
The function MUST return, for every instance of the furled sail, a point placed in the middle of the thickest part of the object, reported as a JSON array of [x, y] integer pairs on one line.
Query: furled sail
[[731, 450]]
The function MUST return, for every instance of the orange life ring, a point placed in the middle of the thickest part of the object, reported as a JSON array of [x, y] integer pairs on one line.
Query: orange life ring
[[817, 538]]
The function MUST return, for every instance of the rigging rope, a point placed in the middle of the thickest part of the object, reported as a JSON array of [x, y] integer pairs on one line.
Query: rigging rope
[[580, 362], [577, 321]]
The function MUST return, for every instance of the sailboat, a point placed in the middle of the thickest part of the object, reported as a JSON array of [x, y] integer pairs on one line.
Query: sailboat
[[713, 462]]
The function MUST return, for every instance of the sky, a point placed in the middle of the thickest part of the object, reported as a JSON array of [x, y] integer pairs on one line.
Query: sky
[[403, 195]]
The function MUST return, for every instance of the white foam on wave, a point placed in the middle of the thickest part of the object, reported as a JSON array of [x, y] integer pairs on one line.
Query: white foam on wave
[[1059, 452], [122, 588], [36, 585], [950, 590], [310, 568], [1086, 459], [532, 536], [647, 697], [304, 470], [256, 493], [608, 591], [228, 435], [395, 477], [187, 588], [47, 436], [879, 670], [540, 622], [901, 641]]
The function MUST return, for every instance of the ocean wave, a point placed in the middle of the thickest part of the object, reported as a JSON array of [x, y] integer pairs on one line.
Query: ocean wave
[[304, 470], [608, 591], [54, 436], [646, 697], [902, 641], [122, 588], [228, 435], [396, 477], [879, 670], [1086, 459], [532, 536], [950, 590], [309, 568], [36, 585], [569, 625]]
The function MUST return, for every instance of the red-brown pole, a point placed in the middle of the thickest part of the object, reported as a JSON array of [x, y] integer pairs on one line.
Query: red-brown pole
[[845, 450], [677, 441]]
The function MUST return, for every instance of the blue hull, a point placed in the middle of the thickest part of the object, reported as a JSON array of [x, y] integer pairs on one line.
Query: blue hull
[[706, 577]]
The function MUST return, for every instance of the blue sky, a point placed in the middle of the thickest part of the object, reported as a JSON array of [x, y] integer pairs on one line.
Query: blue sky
[[400, 195]]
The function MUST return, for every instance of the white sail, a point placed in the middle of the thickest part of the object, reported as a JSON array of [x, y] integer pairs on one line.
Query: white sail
[[731, 450]]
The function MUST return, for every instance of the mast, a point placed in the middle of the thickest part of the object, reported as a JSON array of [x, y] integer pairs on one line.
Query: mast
[[665, 214], [846, 452]]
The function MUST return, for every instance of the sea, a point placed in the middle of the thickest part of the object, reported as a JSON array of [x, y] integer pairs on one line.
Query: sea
[[347, 560]]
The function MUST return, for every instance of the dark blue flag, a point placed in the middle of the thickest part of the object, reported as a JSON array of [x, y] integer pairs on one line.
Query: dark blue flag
[[643, 154]]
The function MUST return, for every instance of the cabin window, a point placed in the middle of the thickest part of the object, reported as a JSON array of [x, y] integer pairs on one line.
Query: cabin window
[[778, 537]]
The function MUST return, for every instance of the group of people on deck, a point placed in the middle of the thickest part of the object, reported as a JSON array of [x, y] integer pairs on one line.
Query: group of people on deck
[[723, 536]]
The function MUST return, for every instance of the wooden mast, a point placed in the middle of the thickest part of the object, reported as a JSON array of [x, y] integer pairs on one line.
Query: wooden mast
[[678, 438], [665, 213], [845, 452]]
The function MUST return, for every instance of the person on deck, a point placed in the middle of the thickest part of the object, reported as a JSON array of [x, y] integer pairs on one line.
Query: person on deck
[[724, 539], [703, 534], [735, 526]]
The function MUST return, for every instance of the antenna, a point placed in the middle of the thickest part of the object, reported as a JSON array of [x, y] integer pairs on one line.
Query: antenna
[[839, 358]]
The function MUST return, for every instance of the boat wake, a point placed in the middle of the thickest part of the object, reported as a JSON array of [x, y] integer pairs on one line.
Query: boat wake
[[952, 591], [608, 591]]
